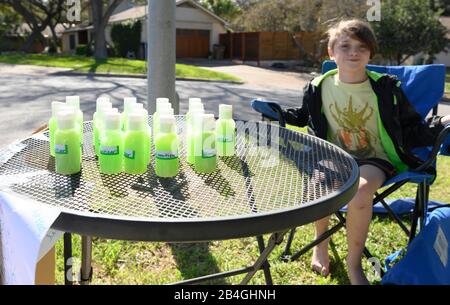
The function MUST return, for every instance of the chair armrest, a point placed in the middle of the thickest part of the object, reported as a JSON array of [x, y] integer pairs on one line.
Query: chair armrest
[[269, 109], [436, 148]]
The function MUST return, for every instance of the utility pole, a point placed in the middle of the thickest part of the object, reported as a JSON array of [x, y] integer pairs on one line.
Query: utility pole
[[161, 48]]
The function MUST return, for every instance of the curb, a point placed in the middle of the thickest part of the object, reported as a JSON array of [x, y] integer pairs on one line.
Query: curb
[[141, 76]]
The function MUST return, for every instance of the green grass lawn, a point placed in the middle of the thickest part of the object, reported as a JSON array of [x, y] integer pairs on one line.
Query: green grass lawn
[[111, 65], [122, 262]]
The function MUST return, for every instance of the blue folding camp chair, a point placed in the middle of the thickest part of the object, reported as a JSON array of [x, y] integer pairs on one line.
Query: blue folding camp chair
[[424, 87]]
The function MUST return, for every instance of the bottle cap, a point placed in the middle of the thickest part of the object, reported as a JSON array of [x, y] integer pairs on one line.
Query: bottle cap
[[73, 101], [209, 122], [193, 101], [161, 101], [128, 103], [225, 111], [165, 111], [163, 106], [166, 123], [195, 107], [56, 107], [136, 121], [136, 107], [66, 119], [102, 102], [112, 120]]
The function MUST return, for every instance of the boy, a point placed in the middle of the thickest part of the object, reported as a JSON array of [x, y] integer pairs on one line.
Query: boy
[[345, 106]]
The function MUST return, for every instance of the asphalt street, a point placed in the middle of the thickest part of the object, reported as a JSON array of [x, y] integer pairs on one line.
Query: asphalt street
[[25, 99], [26, 94]]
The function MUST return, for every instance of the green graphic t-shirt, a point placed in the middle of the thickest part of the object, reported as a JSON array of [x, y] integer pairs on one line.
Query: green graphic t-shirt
[[352, 118]]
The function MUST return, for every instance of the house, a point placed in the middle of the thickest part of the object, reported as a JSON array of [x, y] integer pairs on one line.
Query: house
[[443, 57], [197, 29]]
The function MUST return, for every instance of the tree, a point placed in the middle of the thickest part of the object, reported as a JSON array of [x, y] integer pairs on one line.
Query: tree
[[295, 15], [226, 9], [101, 12], [126, 37], [9, 20], [408, 28], [38, 14], [442, 6]]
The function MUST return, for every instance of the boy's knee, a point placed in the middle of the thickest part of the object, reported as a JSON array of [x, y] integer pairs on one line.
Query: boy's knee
[[366, 188]]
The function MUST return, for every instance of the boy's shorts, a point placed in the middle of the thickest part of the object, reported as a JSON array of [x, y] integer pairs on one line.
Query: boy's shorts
[[387, 168]]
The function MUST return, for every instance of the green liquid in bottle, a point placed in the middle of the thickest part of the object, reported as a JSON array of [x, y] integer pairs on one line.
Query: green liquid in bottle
[[166, 154], [51, 132], [225, 137], [110, 152], [204, 152], [96, 133], [67, 151], [136, 151]]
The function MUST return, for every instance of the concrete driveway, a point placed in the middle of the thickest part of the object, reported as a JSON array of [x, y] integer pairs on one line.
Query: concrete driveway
[[256, 77]]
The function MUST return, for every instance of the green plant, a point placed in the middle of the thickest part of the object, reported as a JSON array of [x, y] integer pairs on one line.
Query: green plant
[[126, 37], [81, 50], [409, 27]]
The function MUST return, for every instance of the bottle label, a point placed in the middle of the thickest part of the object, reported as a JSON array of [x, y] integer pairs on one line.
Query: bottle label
[[129, 154], [166, 155], [61, 149], [225, 139], [109, 150], [208, 153]]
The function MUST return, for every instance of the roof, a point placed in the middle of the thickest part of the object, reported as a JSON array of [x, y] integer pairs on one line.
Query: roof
[[139, 12], [136, 12]]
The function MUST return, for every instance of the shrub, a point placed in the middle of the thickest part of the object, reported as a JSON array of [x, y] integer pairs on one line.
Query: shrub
[[81, 50], [126, 37]]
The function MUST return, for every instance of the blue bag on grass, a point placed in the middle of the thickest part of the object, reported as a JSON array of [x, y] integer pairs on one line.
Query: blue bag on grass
[[426, 261]]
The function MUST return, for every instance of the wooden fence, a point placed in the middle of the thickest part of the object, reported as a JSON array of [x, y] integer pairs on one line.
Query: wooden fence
[[257, 46]]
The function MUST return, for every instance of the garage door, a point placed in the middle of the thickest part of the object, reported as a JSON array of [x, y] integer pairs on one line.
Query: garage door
[[192, 43]]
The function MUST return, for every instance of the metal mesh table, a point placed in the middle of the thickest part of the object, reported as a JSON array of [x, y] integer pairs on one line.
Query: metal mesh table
[[279, 179]]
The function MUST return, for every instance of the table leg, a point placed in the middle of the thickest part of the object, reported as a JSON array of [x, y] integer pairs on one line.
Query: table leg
[[265, 266], [68, 259], [86, 258], [274, 240]]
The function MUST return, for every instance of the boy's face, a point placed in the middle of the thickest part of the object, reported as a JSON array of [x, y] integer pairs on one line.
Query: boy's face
[[350, 54]]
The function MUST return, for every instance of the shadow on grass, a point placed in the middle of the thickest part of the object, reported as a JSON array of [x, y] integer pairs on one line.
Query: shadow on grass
[[337, 266], [195, 260]]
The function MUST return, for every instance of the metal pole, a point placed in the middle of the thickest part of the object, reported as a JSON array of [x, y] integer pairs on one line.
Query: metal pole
[[86, 258], [161, 53]]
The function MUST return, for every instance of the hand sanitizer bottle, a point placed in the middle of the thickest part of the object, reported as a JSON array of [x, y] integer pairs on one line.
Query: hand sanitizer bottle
[[52, 125], [195, 114], [136, 144], [225, 131], [205, 145], [128, 103], [166, 148], [111, 144], [139, 109], [161, 103], [74, 101], [67, 144], [103, 105]]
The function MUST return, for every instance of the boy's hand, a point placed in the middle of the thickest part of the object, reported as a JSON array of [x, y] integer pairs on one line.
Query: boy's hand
[[445, 120]]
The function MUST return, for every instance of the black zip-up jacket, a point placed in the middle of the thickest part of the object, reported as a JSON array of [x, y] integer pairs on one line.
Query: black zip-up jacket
[[401, 124]]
